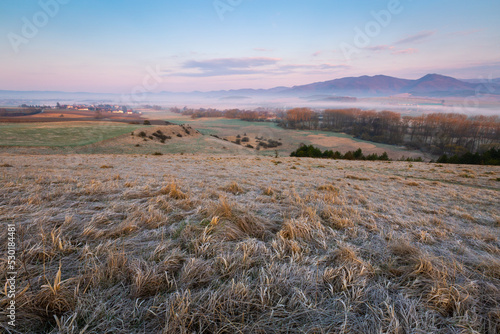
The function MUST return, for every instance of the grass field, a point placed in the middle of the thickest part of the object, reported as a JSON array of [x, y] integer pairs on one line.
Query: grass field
[[60, 134], [291, 138], [111, 137], [248, 244]]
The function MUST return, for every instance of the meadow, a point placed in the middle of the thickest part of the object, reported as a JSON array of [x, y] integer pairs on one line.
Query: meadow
[[104, 137], [291, 139], [63, 134], [250, 244]]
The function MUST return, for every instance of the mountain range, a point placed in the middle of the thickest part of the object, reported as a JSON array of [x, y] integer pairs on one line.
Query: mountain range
[[431, 85]]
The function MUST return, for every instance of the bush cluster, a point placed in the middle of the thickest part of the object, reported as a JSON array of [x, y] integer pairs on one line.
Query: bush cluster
[[271, 143], [309, 151], [159, 134], [490, 157]]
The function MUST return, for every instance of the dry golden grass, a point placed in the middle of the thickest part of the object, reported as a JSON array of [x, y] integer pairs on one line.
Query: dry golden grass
[[202, 244], [268, 191], [233, 188], [172, 190], [328, 187]]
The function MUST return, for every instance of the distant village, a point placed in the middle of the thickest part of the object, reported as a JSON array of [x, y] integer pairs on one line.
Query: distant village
[[102, 108]]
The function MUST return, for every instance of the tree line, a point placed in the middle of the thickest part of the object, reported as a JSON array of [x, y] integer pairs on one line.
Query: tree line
[[309, 151], [490, 157], [245, 115], [438, 133]]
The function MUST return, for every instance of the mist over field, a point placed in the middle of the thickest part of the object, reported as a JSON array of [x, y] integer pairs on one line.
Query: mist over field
[[405, 105]]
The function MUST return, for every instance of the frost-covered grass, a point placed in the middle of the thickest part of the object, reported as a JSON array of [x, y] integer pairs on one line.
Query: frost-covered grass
[[202, 244]]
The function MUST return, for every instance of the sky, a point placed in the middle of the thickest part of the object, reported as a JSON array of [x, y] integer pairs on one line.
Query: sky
[[124, 46]]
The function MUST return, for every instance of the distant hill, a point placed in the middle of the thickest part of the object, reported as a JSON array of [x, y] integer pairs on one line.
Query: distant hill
[[432, 85], [376, 85], [437, 83], [379, 85], [382, 85]]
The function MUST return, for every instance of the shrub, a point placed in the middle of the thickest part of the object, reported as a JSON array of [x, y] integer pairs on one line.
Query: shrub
[[490, 157], [245, 139], [161, 136], [349, 155], [273, 143], [358, 154], [314, 152], [142, 134], [409, 159], [146, 122], [307, 151], [179, 135], [384, 157]]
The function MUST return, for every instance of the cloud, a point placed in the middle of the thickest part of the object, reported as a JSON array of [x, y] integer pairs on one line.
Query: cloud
[[249, 66], [225, 63], [380, 47], [405, 51], [415, 38], [227, 66], [333, 67], [309, 69], [323, 53]]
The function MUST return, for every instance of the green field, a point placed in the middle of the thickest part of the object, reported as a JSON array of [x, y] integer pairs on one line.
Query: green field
[[60, 134], [291, 139], [90, 137]]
